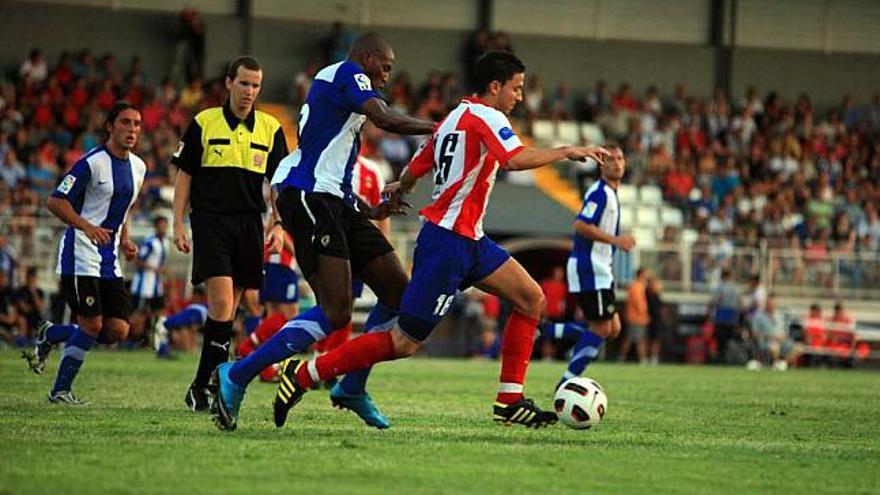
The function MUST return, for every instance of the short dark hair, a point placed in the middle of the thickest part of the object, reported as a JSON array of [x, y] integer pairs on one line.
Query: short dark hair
[[246, 61], [117, 108], [159, 218], [495, 66]]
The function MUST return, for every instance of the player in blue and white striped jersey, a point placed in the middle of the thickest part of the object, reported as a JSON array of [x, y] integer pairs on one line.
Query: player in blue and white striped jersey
[[147, 292], [590, 279], [94, 199]]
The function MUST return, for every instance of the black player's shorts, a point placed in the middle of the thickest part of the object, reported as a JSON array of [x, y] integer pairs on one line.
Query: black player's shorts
[[228, 245], [94, 296], [322, 223], [597, 305], [153, 304]]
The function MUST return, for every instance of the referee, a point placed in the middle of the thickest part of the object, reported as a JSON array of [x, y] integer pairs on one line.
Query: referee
[[223, 159]]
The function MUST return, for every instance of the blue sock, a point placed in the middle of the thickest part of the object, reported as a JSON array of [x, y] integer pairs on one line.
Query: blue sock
[[72, 358], [251, 323], [295, 336], [20, 341], [104, 337], [185, 318], [57, 334], [569, 330], [163, 349], [381, 319], [586, 349]]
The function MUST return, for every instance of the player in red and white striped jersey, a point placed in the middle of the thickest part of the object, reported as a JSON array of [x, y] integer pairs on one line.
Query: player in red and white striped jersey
[[452, 252]]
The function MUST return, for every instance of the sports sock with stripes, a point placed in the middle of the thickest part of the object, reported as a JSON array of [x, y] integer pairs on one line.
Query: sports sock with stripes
[[357, 353], [516, 350], [72, 359], [381, 319], [57, 334], [294, 337], [584, 351]]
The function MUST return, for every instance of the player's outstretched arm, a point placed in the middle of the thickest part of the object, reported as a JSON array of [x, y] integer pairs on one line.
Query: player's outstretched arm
[[530, 158], [594, 233], [393, 121]]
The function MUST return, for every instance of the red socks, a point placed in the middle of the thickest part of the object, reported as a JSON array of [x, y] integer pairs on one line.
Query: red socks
[[516, 350], [366, 350], [334, 340]]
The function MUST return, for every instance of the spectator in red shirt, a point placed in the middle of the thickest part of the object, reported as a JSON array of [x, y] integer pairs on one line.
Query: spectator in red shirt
[[555, 292]]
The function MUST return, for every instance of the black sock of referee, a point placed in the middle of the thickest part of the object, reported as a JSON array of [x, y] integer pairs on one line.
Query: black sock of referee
[[215, 349]]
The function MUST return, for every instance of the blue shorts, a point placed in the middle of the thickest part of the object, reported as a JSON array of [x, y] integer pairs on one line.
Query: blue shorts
[[357, 288], [443, 263], [280, 285]]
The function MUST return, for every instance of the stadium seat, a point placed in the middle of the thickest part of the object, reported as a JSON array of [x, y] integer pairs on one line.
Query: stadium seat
[[646, 237], [626, 194], [670, 216], [568, 133], [647, 216], [544, 131], [592, 134], [650, 195], [627, 216], [689, 236]]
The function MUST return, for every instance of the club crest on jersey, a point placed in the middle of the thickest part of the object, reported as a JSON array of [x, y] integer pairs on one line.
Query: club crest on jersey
[[66, 184], [505, 133], [258, 160], [591, 208], [90, 301], [363, 82], [325, 240]]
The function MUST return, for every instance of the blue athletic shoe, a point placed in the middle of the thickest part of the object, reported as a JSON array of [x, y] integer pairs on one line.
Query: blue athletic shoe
[[227, 399], [362, 405]]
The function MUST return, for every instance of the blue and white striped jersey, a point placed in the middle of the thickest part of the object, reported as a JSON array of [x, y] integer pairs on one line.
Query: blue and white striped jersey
[[329, 132], [589, 265], [147, 281], [101, 188]]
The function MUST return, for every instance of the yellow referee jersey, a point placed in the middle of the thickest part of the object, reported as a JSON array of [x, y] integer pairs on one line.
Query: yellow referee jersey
[[229, 158]]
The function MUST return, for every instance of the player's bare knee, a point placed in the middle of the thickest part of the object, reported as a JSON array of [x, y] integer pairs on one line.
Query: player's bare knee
[[531, 302], [92, 325], [404, 346]]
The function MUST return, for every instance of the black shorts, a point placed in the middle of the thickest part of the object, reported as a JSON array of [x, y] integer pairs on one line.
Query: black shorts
[[93, 296], [321, 223], [228, 245], [597, 305], [153, 304]]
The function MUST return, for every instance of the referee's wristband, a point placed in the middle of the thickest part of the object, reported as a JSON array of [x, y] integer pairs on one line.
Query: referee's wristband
[[277, 223]]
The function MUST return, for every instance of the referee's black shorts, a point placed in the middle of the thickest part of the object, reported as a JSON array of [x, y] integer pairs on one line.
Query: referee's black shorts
[[228, 245], [322, 223], [94, 296]]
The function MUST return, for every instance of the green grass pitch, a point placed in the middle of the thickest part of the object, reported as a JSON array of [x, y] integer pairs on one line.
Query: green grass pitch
[[670, 429]]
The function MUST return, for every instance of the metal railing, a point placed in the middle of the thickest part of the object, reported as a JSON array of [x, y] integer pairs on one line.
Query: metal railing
[[682, 267]]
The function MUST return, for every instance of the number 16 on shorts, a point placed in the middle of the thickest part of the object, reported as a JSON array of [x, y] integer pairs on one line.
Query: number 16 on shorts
[[444, 301]]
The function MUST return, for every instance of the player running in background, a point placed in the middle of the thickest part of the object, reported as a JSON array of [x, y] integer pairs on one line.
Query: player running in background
[[331, 227], [452, 252], [590, 278], [93, 199], [147, 290]]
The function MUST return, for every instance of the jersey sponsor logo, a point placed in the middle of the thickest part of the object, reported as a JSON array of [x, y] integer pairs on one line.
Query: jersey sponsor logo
[[325, 240], [90, 301], [179, 149], [590, 208], [66, 184], [363, 82], [258, 160], [505, 133]]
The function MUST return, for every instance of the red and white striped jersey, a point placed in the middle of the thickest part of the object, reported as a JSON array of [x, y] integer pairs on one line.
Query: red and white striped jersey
[[465, 153], [366, 181], [286, 258]]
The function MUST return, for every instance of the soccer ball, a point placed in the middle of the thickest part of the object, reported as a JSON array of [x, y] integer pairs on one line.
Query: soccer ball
[[580, 403]]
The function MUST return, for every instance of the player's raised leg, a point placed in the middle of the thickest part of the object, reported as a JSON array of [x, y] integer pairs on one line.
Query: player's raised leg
[[511, 281]]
